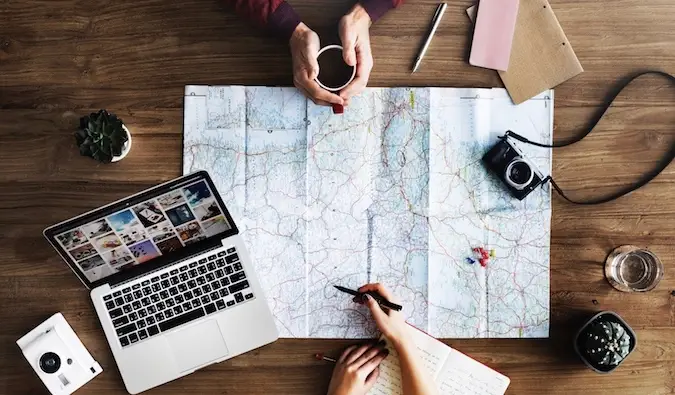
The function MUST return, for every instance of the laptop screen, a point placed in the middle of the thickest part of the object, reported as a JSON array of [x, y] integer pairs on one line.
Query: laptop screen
[[155, 225]]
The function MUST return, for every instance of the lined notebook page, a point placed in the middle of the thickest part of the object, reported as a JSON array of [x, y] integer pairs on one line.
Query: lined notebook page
[[463, 375], [433, 354], [453, 372]]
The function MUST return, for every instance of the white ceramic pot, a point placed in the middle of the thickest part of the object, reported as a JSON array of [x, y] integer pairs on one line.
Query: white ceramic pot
[[125, 149]]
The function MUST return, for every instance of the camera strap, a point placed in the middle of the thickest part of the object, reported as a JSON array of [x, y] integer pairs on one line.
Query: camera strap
[[646, 178]]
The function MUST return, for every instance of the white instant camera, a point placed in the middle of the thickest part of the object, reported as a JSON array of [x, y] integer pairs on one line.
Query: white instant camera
[[58, 356]]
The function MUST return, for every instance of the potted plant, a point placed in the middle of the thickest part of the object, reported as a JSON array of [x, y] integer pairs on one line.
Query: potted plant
[[103, 136], [604, 342]]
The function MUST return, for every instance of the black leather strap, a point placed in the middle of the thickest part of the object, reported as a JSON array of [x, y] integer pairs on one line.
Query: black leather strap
[[667, 159]]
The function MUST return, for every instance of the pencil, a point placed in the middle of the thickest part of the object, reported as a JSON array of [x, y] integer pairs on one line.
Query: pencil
[[321, 357]]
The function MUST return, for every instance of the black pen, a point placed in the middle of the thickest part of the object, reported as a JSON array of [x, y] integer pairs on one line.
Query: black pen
[[379, 299]]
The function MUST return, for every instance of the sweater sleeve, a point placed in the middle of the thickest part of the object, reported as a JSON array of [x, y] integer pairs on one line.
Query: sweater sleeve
[[377, 8], [277, 16]]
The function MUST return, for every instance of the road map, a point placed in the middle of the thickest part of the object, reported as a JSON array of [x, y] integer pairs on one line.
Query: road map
[[391, 191]]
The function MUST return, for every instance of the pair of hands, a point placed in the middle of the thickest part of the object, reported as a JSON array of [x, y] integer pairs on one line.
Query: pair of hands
[[357, 369], [354, 32]]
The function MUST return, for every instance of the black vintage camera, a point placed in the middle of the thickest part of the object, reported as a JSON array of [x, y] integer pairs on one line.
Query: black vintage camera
[[516, 172]]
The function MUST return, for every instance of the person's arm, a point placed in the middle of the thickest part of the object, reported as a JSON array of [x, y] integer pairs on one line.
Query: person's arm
[[377, 8], [280, 18], [355, 36], [277, 16], [415, 379]]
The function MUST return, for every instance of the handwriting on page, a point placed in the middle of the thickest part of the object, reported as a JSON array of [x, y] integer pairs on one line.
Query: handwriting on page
[[468, 377], [431, 361], [432, 352], [389, 382]]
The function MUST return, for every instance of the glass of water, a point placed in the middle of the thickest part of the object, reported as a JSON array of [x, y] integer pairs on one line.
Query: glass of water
[[633, 269]]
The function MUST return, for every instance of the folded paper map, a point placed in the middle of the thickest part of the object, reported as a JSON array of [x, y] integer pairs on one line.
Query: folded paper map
[[392, 191]]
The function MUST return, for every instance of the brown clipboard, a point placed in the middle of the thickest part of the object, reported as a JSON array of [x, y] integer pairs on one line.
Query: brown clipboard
[[541, 55]]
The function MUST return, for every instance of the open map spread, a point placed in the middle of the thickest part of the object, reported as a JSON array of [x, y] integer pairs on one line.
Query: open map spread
[[391, 191]]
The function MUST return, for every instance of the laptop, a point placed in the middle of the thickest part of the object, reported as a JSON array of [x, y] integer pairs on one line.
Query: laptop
[[170, 279]]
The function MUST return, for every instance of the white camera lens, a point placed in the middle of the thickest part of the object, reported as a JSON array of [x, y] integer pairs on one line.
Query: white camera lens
[[50, 362], [519, 173]]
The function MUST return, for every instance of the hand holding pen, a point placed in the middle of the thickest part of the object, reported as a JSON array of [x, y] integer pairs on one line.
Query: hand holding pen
[[359, 298], [352, 367], [389, 321]]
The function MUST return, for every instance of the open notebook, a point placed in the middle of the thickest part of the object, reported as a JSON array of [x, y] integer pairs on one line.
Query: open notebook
[[453, 372]]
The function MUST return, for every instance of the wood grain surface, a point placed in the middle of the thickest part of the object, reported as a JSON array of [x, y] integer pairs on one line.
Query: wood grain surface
[[61, 59]]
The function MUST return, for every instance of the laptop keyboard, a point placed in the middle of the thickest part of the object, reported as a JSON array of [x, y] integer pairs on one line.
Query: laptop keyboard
[[189, 291]]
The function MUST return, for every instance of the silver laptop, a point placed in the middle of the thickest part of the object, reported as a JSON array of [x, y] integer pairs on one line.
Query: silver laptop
[[170, 279]]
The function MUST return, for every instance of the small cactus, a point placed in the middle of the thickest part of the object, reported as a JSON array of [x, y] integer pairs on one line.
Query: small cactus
[[101, 136], [606, 343]]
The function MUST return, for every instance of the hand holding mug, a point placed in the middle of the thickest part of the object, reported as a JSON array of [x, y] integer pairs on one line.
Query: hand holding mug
[[355, 36], [334, 73], [305, 46], [354, 30]]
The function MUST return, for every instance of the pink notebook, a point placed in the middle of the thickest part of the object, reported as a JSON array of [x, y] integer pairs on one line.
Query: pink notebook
[[493, 36]]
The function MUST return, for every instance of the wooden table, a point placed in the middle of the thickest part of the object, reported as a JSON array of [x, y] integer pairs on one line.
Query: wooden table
[[61, 59]]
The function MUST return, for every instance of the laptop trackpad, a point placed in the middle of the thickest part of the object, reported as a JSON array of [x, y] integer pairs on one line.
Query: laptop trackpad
[[197, 345]]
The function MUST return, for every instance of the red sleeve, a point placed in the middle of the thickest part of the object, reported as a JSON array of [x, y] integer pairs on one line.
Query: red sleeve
[[377, 8], [277, 16]]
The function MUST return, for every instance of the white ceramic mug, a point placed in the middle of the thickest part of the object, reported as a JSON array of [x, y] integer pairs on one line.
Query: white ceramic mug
[[334, 89]]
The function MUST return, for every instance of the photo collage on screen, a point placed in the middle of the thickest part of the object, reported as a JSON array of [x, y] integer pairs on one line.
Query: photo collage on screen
[[145, 231]]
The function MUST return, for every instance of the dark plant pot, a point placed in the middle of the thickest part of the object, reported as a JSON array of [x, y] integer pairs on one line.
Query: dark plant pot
[[103, 136], [580, 349]]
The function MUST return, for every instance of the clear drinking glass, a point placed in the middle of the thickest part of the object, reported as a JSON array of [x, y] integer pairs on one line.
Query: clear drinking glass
[[633, 269]]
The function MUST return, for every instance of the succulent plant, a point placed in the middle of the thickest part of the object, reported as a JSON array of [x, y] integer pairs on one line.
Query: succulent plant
[[606, 343], [101, 136]]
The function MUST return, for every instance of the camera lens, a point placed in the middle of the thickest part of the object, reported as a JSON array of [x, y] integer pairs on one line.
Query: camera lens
[[519, 173], [50, 362]]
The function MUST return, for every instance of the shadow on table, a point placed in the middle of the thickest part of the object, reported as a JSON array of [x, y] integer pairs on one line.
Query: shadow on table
[[568, 316]]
